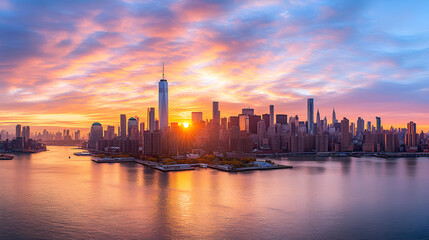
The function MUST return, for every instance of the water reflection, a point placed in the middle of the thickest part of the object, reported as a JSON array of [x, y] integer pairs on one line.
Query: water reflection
[[47, 195], [411, 164]]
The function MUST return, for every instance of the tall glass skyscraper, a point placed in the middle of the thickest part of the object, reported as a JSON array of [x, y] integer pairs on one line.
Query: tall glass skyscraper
[[151, 119], [163, 101], [310, 116], [123, 126]]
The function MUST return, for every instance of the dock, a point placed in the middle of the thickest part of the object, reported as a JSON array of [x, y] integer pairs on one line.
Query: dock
[[186, 167]]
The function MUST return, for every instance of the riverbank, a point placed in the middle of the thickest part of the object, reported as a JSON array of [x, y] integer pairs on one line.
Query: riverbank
[[348, 154]]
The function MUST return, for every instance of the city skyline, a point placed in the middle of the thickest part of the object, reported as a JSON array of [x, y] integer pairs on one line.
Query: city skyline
[[69, 71]]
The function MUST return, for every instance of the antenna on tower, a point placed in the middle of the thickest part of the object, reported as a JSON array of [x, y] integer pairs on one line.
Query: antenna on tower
[[163, 70]]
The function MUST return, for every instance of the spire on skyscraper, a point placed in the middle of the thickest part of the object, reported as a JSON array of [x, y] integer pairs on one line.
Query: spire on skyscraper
[[163, 78]]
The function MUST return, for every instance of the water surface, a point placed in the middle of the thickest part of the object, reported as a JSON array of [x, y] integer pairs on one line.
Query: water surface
[[49, 196]]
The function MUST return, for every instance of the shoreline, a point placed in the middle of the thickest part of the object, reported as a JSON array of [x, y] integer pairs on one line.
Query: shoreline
[[185, 167]]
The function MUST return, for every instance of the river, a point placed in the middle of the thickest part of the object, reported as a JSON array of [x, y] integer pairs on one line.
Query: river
[[49, 196]]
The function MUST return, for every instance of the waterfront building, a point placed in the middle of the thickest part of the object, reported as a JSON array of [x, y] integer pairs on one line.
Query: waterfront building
[[163, 101], [412, 139], [95, 135]]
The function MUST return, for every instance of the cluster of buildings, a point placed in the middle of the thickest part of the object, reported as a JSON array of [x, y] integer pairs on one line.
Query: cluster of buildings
[[22, 142], [250, 133]]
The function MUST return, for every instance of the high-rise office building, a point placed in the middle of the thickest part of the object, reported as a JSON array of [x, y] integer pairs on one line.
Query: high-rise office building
[[224, 123], [233, 122], [95, 136], [77, 135], [151, 119], [271, 115], [248, 111], [378, 122], [216, 113], [334, 116], [123, 126], [281, 119], [197, 117], [110, 133], [325, 124], [411, 138], [253, 123], [352, 129], [368, 126], [318, 122], [266, 118], [18, 131], [310, 116], [345, 135], [360, 126], [244, 122], [163, 101], [133, 129]]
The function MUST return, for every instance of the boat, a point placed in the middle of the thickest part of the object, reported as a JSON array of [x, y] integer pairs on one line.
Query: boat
[[6, 157], [84, 153]]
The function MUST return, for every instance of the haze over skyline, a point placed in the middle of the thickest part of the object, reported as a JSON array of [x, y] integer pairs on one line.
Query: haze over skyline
[[66, 64]]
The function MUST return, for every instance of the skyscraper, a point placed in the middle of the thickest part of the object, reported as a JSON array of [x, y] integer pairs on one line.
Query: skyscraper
[[378, 122], [163, 101], [95, 136], [411, 138], [151, 119], [123, 126], [368, 126], [334, 116], [271, 115], [18, 131], [360, 126], [133, 129], [109, 134], [310, 116], [244, 122], [345, 135], [319, 123], [216, 113]]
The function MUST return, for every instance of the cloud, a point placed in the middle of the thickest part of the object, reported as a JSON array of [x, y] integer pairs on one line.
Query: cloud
[[99, 58]]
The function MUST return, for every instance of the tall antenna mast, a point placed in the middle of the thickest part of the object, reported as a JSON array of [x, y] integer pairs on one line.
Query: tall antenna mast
[[163, 70]]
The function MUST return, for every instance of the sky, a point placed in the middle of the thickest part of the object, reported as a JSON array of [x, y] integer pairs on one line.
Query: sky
[[71, 63]]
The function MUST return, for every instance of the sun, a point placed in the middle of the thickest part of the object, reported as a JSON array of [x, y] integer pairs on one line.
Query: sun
[[185, 125]]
